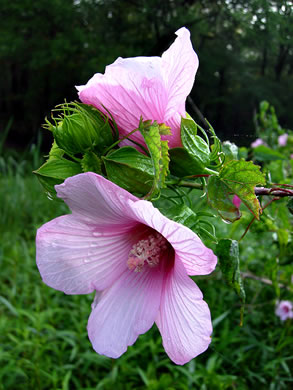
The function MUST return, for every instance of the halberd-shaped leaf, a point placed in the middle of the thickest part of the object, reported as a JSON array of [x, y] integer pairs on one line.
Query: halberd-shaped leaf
[[130, 169]]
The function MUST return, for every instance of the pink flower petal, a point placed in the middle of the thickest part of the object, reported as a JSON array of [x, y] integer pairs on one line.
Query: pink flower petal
[[282, 139], [284, 310], [184, 318], [179, 64], [95, 199], [153, 88], [196, 257], [75, 258], [124, 311], [130, 89]]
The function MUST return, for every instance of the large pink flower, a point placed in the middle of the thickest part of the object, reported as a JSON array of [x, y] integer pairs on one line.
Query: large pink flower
[[136, 259], [152, 87]]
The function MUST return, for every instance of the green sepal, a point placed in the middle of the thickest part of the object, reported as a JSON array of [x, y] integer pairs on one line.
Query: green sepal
[[227, 251], [91, 163], [55, 171], [236, 178], [158, 150], [130, 169], [182, 164], [195, 146]]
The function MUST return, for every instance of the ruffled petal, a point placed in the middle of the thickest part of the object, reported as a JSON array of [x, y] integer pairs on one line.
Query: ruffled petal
[[78, 258], [96, 200], [179, 66], [195, 256], [124, 311], [184, 318]]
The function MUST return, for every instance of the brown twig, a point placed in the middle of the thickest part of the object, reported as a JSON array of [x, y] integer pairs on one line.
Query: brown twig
[[263, 280], [279, 192]]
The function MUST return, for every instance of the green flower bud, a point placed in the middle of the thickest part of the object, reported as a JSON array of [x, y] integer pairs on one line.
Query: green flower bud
[[81, 128]]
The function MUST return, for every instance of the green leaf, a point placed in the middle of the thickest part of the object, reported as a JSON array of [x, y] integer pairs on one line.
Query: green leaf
[[55, 152], [165, 160], [182, 164], [55, 171], [230, 150], [240, 178], [228, 255], [91, 163], [159, 154], [181, 214], [195, 146], [189, 125], [130, 169], [264, 153], [290, 206], [220, 197]]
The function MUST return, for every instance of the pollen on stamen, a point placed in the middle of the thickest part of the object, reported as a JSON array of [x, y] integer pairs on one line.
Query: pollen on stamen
[[146, 251]]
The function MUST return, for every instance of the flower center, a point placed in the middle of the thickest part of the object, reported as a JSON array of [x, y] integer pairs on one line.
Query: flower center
[[146, 251]]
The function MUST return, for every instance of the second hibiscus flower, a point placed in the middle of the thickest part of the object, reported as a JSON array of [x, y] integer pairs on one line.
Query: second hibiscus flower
[[154, 88]]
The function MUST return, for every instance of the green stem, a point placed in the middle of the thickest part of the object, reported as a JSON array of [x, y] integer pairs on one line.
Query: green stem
[[184, 183], [120, 140], [211, 171]]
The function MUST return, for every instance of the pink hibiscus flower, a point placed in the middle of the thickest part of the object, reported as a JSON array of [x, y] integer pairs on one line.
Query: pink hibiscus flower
[[152, 87], [284, 310], [282, 139], [136, 259], [257, 143]]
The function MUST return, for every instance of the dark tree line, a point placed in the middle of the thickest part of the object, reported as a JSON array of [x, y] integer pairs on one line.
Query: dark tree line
[[49, 46]]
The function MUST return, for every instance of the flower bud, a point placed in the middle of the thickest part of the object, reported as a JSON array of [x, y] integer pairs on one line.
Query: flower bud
[[81, 128]]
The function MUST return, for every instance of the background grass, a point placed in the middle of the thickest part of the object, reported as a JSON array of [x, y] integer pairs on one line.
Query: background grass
[[43, 338]]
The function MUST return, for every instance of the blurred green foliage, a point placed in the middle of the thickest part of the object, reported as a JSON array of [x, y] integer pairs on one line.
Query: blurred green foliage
[[49, 46]]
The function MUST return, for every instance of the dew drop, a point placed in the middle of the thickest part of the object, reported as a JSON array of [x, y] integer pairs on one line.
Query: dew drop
[[225, 221]]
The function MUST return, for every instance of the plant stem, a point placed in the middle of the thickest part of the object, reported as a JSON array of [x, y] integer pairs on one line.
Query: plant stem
[[279, 192]]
